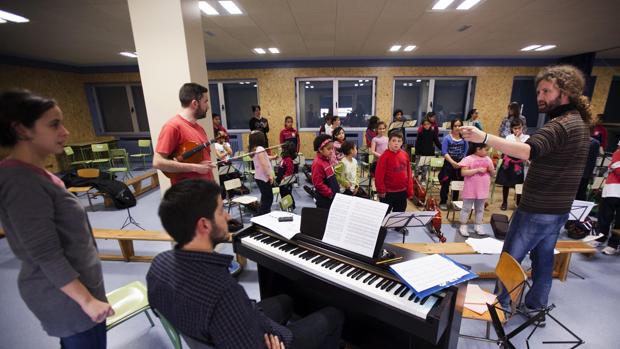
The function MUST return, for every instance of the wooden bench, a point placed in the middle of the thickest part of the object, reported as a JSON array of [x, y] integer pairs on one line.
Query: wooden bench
[[127, 237], [561, 262]]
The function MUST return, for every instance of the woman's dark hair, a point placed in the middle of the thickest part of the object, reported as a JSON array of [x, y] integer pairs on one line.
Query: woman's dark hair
[[516, 122], [475, 146], [255, 107], [470, 114], [515, 108], [319, 140], [288, 117], [429, 115], [372, 122], [347, 147], [289, 150], [184, 204], [256, 139], [336, 131], [396, 112], [454, 121], [191, 92], [20, 107]]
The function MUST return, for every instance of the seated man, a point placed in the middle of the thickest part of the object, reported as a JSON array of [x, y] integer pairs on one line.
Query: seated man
[[190, 285]]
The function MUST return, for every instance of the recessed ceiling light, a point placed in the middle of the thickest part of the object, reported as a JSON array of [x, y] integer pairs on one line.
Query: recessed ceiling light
[[255, 85], [442, 4], [366, 80], [307, 82], [311, 86], [361, 84], [207, 9], [360, 80], [273, 50], [409, 48], [467, 4], [8, 16], [260, 51], [129, 54], [231, 7], [545, 48], [356, 84], [395, 48], [530, 48], [404, 84], [418, 80]]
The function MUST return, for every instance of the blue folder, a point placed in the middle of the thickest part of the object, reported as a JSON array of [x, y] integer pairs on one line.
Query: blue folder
[[425, 293]]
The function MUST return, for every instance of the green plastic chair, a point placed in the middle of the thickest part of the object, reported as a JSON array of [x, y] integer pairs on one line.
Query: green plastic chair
[[71, 156], [144, 146], [175, 336], [433, 171], [248, 170], [101, 154], [127, 302], [119, 162], [286, 203]]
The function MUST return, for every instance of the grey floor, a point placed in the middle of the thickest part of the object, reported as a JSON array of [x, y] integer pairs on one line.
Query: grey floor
[[589, 307]]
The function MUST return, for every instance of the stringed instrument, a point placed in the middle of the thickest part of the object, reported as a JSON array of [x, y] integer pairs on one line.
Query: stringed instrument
[[419, 193], [431, 205], [189, 152]]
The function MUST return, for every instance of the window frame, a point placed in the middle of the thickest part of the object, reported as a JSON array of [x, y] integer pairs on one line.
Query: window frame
[[220, 86], [335, 95], [471, 83]]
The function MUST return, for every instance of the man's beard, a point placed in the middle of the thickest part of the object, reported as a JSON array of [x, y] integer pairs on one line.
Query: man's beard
[[547, 107], [218, 235], [200, 114]]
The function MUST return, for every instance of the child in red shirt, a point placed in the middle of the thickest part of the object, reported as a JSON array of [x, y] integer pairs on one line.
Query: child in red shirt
[[287, 169], [323, 175], [393, 175], [289, 133]]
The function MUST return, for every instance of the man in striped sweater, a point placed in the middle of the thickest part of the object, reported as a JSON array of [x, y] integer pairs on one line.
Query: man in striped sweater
[[558, 153]]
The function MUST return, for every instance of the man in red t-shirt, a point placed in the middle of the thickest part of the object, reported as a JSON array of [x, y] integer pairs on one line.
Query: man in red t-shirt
[[183, 128]]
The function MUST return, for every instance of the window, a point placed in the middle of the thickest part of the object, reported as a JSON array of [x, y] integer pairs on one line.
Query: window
[[612, 106], [450, 98], [233, 100], [118, 109], [352, 99]]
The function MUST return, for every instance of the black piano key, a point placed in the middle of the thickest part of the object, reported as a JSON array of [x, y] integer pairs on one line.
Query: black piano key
[[340, 268], [346, 268], [269, 240], [334, 265], [262, 237], [424, 300], [303, 255], [314, 258], [385, 285], [399, 289], [412, 296], [360, 275], [254, 234], [327, 262], [389, 288], [310, 256], [352, 271], [404, 292], [278, 243], [372, 281], [381, 283], [319, 260], [297, 251], [358, 272], [287, 247], [368, 278], [416, 300]]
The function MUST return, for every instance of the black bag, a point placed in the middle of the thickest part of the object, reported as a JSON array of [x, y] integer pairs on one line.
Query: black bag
[[499, 224], [307, 170], [578, 230]]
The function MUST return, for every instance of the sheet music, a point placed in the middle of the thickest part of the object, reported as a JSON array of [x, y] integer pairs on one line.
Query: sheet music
[[430, 271], [580, 210], [285, 229], [399, 219], [353, 223]]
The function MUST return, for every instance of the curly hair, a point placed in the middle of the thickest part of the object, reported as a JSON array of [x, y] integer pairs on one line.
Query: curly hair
[[571, 82]]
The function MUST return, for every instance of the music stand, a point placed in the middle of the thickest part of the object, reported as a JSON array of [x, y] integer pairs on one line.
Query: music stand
[[287, 180], [129, 221], [396, 124], [402, 220], [410, 123], [226, 169], [579, 211]]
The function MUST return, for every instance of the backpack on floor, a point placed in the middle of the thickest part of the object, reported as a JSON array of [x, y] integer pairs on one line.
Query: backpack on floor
[[578, 230], [499, 224]]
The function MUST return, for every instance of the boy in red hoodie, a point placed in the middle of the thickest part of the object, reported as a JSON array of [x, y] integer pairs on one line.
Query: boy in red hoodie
[[289, 133], [393, 175], [323, 175]]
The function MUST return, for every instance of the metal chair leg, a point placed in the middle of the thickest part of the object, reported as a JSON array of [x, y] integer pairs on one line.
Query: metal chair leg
[[149, 317]]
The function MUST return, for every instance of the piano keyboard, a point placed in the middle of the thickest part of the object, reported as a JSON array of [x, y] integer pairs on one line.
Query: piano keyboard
[[364, 282]]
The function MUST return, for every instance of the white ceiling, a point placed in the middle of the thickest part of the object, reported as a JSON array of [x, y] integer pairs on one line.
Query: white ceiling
[[92, 32]]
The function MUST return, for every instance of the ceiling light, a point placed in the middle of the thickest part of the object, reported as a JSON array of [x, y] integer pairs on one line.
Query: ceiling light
[[442, 4], [207, 9], [306, 86], [260, 51], [231, 7], [418, 80], [129, 54], [545, 48], [409, 48], [311, 86], [356, 84], [395, 48], [307, 82], [360, 80], [404, 84], [467, 4], [361, 84], [366, 80], [8, 16], [530, 48], [255, 85], [273, 50]]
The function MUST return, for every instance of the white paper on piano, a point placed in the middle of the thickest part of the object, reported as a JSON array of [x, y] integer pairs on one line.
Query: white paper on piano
[[430, 271], [353, 224], [285, 229]]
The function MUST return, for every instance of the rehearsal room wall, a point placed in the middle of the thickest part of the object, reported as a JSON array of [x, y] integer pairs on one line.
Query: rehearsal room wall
[[276, 88]]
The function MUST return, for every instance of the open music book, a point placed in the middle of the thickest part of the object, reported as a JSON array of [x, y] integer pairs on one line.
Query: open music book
[[285, 229], [353, 224]]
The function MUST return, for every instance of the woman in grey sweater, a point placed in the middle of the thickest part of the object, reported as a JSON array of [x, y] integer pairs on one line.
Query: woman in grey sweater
[[60, 279]]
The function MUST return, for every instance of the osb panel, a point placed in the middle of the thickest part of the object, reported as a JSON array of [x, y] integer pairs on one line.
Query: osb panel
[[604, 75]]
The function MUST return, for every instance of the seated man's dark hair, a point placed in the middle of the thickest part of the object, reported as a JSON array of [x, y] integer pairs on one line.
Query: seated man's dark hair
[[184, 204]]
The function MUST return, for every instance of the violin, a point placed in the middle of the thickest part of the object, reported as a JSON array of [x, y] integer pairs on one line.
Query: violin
[[189, 152], [419, 193], [435, 226]]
